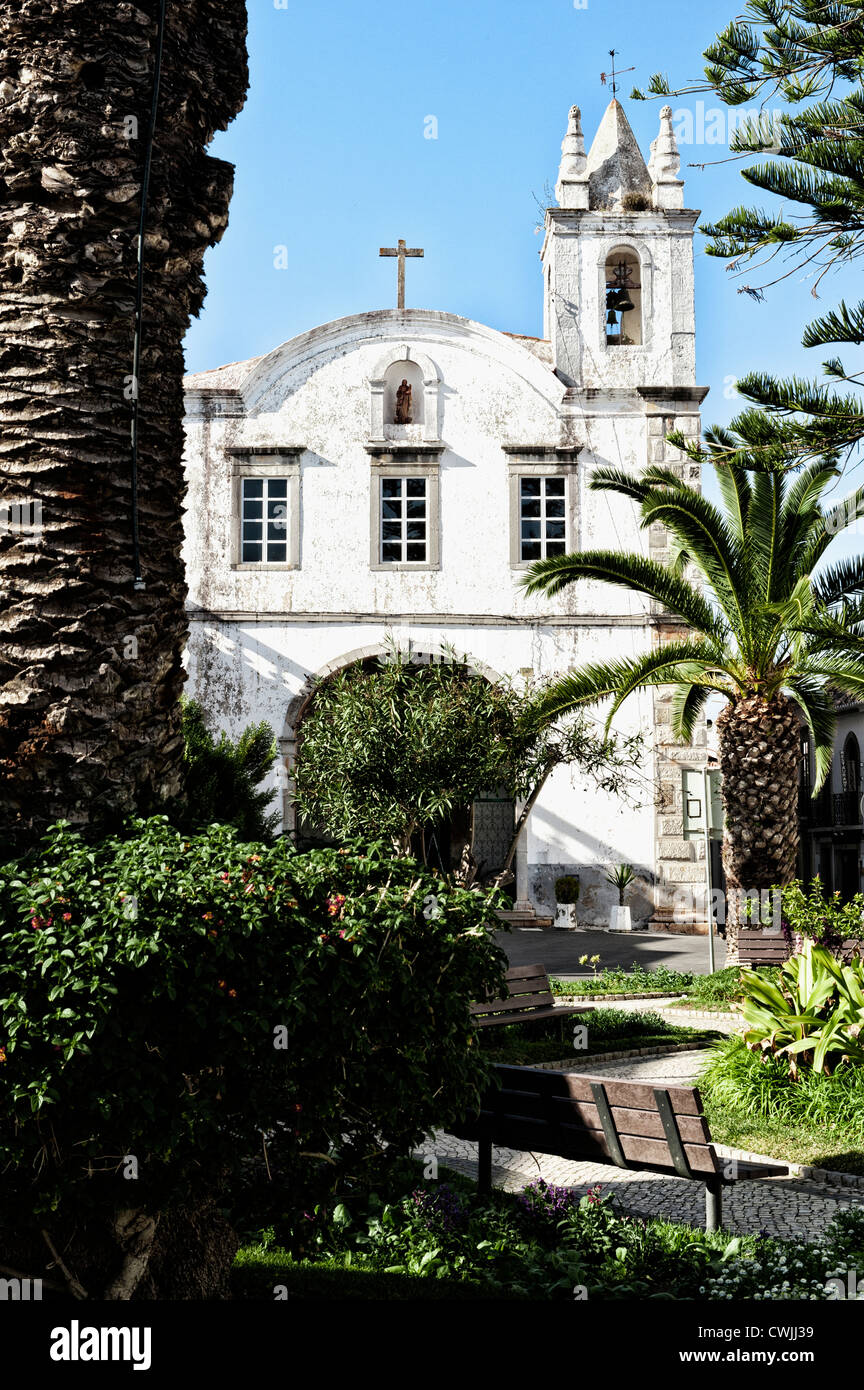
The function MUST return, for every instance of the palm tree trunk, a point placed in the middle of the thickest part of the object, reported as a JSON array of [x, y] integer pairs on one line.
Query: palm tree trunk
[[760, 750], [90, 667]]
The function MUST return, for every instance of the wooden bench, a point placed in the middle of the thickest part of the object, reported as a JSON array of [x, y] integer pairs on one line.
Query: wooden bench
[[661, 1129], [763, 948], [773, 948], [528, 998]]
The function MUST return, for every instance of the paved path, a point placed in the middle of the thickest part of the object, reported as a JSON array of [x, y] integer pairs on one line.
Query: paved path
[[559, 950], [783, 1207]]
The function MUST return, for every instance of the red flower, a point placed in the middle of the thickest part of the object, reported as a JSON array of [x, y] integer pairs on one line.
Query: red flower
[[2, 1054], [67, 916]]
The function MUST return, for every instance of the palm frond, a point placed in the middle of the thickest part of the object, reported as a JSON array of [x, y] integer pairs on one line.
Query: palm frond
[[633, 572], [666, 665]]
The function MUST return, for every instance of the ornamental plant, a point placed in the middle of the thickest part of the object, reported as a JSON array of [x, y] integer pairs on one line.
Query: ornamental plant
[[171, 1006], [811, 1014], [567, 888], [621, 876], [825, 920]]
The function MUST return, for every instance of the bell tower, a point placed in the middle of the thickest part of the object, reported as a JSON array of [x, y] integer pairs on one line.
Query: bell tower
[[618, 260]]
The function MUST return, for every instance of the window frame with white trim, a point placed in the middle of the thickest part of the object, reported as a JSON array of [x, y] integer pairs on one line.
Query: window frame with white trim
[[407, 468], [538, 466], [272, 468]]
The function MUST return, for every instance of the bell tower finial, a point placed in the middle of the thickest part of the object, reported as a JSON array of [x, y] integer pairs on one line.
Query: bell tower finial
[[665, 164], [571, 189]]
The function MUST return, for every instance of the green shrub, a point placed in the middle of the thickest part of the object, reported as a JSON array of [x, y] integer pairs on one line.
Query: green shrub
[[812, 1011], [825, 921], [221, 778], [171, 999], [723, 987], [567, 888]]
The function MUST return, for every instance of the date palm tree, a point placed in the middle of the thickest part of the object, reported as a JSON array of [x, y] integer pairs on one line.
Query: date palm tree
[[90, 661], [767, 633]]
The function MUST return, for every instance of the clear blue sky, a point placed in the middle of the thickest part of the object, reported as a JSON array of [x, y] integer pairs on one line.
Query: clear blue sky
[[332, 163]]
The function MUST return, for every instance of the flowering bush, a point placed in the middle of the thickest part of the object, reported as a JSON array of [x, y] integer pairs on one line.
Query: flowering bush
[[167, 1001]]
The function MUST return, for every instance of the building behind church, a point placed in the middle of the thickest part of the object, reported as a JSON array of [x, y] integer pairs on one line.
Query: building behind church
[[391, 476]]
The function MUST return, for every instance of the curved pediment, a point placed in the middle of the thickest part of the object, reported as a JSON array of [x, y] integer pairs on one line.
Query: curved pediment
[[269, 379]]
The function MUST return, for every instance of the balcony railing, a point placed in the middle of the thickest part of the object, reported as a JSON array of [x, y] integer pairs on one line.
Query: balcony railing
[[837, 808]]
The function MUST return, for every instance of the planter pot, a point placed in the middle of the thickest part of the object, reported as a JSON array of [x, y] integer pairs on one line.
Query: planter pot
[[620, 919], [565, 916]]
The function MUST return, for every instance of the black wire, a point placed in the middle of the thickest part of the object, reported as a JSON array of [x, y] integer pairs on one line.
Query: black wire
[[139, 287]]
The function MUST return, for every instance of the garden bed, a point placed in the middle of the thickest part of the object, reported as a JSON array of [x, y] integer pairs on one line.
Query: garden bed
[[444, 1240], [611, 1032]]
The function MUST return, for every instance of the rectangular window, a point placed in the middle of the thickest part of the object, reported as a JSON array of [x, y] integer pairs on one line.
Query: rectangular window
[[542, 517], [404, 521], [264, 520]]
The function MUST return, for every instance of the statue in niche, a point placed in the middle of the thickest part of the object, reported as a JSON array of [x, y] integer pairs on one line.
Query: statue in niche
[[404, 410]]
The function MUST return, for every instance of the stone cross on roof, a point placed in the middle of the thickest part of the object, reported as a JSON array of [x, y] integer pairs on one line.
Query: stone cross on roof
[[401, 251]]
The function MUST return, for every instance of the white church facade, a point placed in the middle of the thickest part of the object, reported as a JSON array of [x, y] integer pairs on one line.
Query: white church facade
[[392, 475]]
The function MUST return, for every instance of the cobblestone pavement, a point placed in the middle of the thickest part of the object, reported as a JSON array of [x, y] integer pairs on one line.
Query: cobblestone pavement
[[783, 1206]]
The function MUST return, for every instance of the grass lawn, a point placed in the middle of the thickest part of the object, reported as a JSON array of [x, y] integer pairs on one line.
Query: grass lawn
[[804, 1142], [259, 1273], [755, 1105]]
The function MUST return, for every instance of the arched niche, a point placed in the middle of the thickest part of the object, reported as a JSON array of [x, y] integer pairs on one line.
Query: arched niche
[[622, 302], [412, 375], [424, 379], [625, 275]]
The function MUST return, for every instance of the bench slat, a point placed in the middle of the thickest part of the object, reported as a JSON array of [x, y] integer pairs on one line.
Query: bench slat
[[516, 1001], [629, 1095], [561, 1110], [527, 972], [579, 1144], [517, 1016]]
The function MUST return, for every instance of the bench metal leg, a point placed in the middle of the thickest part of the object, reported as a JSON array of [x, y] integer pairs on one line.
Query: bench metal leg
[[713, 1204], [484, 1165]]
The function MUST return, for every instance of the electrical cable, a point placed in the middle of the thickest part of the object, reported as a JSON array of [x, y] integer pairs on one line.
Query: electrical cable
[[139, 288]]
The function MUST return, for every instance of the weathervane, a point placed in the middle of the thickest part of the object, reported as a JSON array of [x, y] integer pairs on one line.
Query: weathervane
[[613, 52]]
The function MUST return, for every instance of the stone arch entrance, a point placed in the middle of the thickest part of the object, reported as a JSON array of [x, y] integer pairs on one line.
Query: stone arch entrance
[[490, 821]]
